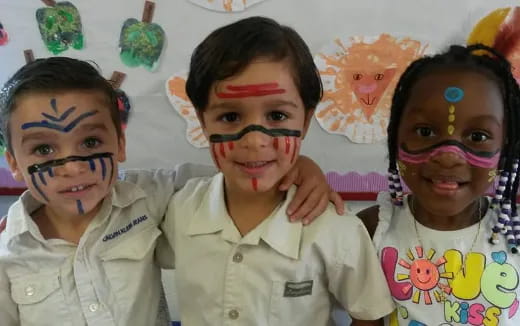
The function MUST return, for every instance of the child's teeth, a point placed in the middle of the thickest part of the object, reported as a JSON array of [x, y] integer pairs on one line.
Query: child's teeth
[[74, 189]]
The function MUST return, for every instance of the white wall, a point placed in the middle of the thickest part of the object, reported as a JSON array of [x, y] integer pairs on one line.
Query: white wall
[[156, 133]]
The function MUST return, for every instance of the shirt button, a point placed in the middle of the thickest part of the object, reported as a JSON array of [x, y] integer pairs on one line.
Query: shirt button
[[29, 291], [93, 307], [238, 257], [233, 314]]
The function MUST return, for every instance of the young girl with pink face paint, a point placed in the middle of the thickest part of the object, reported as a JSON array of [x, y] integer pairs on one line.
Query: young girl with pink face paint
[[237, 259], [452, 132]]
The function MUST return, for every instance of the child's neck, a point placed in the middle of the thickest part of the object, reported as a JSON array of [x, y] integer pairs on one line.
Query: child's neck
[[467, 217], [54, 225], [248, 210]]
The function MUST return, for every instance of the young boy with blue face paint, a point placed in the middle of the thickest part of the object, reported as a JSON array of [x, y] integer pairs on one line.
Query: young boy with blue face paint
[[77, 248]]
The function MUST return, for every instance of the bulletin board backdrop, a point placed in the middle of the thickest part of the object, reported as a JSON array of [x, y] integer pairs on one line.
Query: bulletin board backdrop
[[156, 133]]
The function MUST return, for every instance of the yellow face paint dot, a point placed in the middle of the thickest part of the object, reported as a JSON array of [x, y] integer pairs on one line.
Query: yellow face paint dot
[[492, 174], [451, 118], [402, 166], [451, 109], [451, 129]]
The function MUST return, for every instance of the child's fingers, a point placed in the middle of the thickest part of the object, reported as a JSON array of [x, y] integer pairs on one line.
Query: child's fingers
[[288, 180], [308, 204], [317, 211], [302, 193], [336, 199]]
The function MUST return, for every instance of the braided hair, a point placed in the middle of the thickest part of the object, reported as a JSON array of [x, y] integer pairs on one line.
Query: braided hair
[[473, 57]]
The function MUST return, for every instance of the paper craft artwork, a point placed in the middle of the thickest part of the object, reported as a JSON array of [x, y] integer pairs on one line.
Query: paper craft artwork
[[175, 89], [500, 29], [359, 75], [60, 27], [141, 42], [4, 37], [123, 104], [226, 5]]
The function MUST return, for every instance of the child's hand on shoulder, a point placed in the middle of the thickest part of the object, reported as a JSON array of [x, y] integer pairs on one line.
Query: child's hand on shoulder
[[313, 192]]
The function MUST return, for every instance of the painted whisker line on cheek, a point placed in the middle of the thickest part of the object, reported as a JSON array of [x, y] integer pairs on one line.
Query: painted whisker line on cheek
[[42, 178], [35, 184], [222, 150], [92, 165], [287, 145], [111, 169], [296, 144], [54, 163], [214, 152], [275, 143], [103, 168]]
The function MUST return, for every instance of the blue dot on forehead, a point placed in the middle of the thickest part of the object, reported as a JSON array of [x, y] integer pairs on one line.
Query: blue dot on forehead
[[453, 94]]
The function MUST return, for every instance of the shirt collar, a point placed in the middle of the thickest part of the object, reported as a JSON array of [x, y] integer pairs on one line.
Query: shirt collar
[[19, 220], [276, 230]]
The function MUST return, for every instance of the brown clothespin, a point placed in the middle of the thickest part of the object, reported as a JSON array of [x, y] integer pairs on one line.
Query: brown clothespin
[[117, 79], [50, 3], [29, 55], [149, 8]]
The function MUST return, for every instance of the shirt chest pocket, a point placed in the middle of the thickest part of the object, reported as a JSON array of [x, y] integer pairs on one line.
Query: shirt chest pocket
[[299, 303], [40, 299], [130, 267]]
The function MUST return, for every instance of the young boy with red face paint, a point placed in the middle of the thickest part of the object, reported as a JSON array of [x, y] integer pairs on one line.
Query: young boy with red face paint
[[238, 260], [78, 247]]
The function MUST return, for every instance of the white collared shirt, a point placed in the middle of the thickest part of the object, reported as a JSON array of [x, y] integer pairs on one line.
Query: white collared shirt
[[280, 273], [109, 278]]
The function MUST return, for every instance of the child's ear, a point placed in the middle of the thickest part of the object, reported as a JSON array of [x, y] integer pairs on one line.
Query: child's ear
[[121, 154], [200, 116], [13, 166], [308, 118]]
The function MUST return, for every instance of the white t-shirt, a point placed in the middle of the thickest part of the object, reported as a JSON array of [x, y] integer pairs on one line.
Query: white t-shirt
[[428, 284], [280, 273]]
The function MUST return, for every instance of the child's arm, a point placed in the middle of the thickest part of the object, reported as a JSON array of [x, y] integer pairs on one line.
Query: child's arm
[[370, 218], [313, 194], [356, 279]]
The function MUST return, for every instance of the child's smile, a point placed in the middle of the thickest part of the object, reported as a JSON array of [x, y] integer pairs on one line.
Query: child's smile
[[450, 138]]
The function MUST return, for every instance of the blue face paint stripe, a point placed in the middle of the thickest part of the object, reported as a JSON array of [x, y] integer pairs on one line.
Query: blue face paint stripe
[[51, 173], [62, 117], [111, 168], [92, 165], [40, 174], [103, 168], [33, 179], [80, 207], [53, 105], [55, 126]]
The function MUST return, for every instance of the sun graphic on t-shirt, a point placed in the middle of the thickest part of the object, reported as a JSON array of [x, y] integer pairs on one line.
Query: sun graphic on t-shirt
[[424, 275]]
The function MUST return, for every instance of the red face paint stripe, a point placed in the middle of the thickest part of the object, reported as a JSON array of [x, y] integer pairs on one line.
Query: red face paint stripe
[[252, 87], [254, 182], [296, 143], [287, 145], [250, 93], [275, 143], [231, 145], [215, 157], [222, 150]]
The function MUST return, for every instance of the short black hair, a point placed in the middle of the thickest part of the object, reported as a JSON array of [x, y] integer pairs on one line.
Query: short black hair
[[54, 74], [476, 57], [230, 49]]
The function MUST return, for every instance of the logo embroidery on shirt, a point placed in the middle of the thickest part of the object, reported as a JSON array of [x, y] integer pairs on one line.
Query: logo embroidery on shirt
[[126, 228], [298, 289]]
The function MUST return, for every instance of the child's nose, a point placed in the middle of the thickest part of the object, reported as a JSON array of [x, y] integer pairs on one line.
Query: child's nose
[[255, 139], [71, 168], [449, 159]]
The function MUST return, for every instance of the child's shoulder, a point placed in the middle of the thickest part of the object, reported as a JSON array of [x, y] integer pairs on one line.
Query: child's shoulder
[[373, 215]]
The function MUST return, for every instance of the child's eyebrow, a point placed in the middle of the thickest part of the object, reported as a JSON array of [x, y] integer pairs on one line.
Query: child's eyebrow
[[92, 126], [281, 103], [35, 136]]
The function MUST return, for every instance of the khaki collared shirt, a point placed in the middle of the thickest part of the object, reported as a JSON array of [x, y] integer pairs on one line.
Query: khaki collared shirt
[[280, 273], [109, 278]]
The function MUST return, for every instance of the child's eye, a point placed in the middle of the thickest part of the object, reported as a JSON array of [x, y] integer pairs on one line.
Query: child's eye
[[424, 131], [277, 116], [43, 150], [478, 137], [229, 117], [91, 142]]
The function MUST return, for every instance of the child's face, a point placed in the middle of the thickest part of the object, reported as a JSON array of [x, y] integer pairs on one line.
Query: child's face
[[450, 136], [255, 121], [66, 149]]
